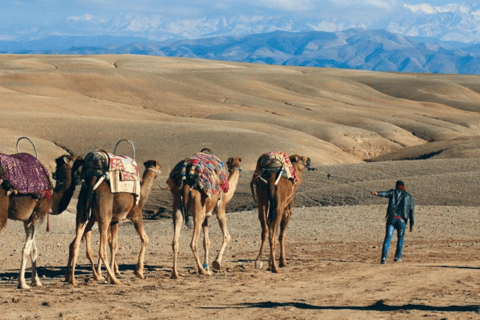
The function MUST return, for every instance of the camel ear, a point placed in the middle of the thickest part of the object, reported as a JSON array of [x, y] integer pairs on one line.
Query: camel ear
[[66, 159], [296, 158]]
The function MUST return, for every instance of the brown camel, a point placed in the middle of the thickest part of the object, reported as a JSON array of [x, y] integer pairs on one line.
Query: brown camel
[[276, 195], [32, 210], [190, 199], [152, 169], [108, 209]]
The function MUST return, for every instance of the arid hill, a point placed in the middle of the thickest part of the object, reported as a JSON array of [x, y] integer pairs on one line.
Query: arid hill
[[171, 107]]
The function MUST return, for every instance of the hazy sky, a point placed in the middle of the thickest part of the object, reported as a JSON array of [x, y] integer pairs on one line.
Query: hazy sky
[[30, 16]]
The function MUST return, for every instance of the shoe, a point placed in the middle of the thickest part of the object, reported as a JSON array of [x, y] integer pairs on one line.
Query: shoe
[[397, 260], [383, 261]]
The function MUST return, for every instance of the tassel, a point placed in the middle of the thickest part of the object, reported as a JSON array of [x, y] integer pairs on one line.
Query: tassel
[[48, 194], [48, 222]]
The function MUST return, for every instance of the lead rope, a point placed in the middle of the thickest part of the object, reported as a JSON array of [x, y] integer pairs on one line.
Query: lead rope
[[49, 197]]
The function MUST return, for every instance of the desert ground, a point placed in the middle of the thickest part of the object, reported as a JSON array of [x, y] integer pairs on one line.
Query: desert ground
[[362, 130]]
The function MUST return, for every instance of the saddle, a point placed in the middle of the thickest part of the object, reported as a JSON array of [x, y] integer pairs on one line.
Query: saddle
[[277, 162], [204, 170], [23, 173], [120, 172]]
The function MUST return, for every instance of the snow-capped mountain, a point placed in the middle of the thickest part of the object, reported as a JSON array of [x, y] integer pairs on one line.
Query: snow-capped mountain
[[377, 50], [456, 22]]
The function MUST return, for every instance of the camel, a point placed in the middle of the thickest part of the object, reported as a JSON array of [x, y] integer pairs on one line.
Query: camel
[[276, 195], [135, 215], [32, 210], [108, 209], [188, 198]]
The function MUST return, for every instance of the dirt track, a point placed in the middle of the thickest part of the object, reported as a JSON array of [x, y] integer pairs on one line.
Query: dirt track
[[333, 271]]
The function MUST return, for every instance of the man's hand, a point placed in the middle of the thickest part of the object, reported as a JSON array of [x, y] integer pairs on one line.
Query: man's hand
[[374, 192]]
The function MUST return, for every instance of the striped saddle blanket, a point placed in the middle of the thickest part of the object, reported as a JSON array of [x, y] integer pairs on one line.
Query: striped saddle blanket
[[24, 174], [205, 169]]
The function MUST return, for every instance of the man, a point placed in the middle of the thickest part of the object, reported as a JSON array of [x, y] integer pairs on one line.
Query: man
[[400, 210]]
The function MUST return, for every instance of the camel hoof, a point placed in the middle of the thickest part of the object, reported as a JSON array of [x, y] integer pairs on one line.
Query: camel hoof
[[139, 274], [115, 281], [204, 272], [23, 286], [37, 284], [174, 276], [258, 265], [217, 265], [276, 271]]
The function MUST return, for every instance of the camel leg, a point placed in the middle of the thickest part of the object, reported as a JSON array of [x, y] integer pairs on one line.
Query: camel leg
[[206, 244], [4, 201], [138, 223], [80, 224], [177, 225], [34, 257], [193, 244], [222, 221], [272, 237], [283, 236], [103, 228], [262, 216], [113, 255], [87, 235], [113, 242], [26, 252], [73, 253]]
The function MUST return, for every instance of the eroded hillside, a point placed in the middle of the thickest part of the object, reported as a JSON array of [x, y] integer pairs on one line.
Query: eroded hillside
[[170, 108]]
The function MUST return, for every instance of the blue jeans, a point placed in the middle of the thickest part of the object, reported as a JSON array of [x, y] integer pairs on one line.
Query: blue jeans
[[392, 225]]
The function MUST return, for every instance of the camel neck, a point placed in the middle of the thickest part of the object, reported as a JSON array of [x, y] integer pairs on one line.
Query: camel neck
[[232, 184], [147, 185]]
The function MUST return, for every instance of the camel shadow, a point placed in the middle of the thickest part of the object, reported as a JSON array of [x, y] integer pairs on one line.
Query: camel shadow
[[377, 306], [59, 272], [453, 267]]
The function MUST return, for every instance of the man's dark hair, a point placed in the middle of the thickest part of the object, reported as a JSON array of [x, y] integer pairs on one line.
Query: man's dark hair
[[399, 183]]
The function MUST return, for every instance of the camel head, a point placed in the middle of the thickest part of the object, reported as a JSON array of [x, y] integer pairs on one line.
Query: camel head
[[67, 174], [152, 165], [299, 162], [234, 164]]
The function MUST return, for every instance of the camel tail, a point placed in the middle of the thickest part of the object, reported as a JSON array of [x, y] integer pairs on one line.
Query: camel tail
[[272, 199], [85, 198], [252, 189], [186, 200], [3, 221]]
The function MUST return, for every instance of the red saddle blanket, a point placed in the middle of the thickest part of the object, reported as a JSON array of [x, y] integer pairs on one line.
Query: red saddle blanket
[[207, 170], [24, 173]]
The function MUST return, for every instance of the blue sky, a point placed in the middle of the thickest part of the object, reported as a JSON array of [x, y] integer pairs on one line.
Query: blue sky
[[87, 17]]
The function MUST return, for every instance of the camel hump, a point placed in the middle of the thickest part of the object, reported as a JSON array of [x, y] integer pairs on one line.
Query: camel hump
[[202, 170], [95, 164], [275, 161], [24, 173]]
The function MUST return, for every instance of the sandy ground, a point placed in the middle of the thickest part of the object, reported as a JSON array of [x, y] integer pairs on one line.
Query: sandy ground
[[332, 271]]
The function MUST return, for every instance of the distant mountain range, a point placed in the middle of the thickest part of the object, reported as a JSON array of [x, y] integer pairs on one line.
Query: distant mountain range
[[377, 50]]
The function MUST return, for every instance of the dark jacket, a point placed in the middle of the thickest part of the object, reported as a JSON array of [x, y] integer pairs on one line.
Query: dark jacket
[[400, 203]]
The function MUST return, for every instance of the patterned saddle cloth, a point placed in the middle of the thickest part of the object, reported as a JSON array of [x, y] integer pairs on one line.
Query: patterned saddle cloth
[[127, 167], [278, 159], [205, 169], [25, 174], [121, 172]]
